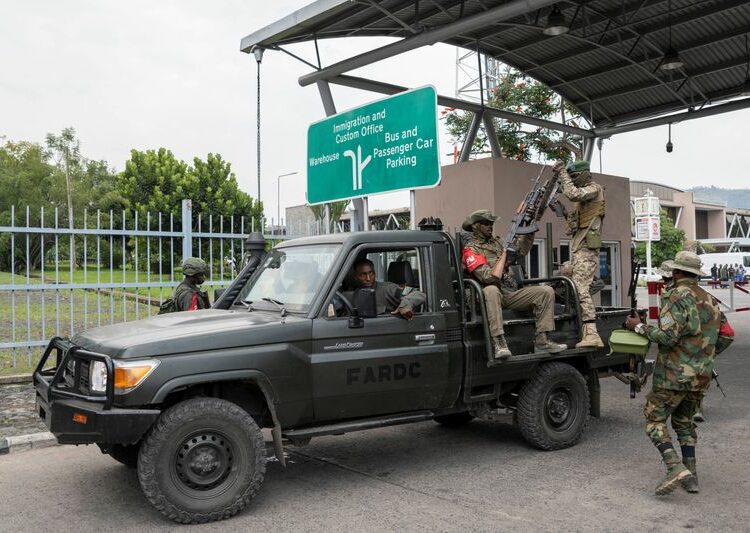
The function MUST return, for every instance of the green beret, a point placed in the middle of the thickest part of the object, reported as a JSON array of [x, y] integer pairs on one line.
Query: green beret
[[194, 265], [476, 216], [578, 166]]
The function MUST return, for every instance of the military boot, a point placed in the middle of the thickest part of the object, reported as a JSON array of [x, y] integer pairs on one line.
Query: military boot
[[590, 338], [690, 484], [501, 351], [543, 345], [676, 472]]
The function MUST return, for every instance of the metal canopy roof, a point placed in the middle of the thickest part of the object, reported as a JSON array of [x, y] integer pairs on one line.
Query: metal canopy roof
[[608, 64]]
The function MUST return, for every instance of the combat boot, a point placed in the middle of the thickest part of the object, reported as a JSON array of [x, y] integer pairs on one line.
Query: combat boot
[[591, 338], [690, 484], [676, 474], [543, 345], [500, 347]]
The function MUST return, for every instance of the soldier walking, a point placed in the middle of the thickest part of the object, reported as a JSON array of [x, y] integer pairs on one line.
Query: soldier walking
[[585, 227], [486, 260], [687, 332]]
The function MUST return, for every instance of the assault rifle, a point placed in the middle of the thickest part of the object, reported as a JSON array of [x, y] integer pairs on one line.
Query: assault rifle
[[531, 210]]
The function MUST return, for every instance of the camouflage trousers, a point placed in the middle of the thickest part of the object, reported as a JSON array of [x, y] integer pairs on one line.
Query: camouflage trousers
[[680, 406], [585, 264]]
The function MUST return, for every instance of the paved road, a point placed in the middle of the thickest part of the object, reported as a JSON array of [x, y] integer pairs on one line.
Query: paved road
[[481, 477]]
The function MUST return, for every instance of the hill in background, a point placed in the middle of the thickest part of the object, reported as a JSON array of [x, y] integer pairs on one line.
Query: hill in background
[[733, 197]]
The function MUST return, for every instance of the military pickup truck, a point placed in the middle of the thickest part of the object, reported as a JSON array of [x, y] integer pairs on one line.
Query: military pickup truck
[[184, 396]]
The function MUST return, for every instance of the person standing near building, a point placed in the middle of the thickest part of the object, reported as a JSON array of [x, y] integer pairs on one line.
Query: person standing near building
[[188, 296], [686, 335], [714, 274], [585, 228]]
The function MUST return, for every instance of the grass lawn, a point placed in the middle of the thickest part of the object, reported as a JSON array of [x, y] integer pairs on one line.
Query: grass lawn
[[40, 315]]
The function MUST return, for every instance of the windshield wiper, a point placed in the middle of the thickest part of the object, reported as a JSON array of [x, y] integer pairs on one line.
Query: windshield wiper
[[278, 304], [248, 305]]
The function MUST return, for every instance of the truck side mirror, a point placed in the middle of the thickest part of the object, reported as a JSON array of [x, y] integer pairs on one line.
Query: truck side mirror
[[365, 304]]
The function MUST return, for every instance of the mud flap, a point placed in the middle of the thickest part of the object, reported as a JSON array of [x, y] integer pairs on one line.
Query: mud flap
[[595, 393]]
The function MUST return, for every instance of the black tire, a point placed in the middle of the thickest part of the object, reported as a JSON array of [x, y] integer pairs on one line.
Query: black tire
[[203, 460], [454, 420], [553, 407], [127, 455]]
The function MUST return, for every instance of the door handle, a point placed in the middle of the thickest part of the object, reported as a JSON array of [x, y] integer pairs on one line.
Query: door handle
[[425, 337]]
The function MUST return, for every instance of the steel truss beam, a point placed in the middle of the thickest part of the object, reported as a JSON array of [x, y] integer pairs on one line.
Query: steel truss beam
[[467, 24], [447, 101]]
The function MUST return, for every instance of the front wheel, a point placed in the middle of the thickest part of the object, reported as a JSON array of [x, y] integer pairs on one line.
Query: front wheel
[[553, 407], [203, 460]]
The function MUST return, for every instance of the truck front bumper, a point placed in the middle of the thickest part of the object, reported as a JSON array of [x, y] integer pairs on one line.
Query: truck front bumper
[[72, 413], [80, 422]]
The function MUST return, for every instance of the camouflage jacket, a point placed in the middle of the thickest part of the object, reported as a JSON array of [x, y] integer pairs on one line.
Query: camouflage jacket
[[686, 335], [189, 297], [480, 255], [582, 196]]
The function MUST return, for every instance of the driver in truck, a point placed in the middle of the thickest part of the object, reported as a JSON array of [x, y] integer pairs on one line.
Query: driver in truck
[[389, 297], [484, 257]]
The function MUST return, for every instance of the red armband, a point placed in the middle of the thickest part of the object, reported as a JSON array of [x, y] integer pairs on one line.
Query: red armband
[[194, 303], [472, 260]]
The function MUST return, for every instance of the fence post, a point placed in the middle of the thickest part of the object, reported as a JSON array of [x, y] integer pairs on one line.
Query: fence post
[[187, 229]]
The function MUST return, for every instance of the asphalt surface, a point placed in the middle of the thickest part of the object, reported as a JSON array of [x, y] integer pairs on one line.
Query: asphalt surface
[[482, 477]]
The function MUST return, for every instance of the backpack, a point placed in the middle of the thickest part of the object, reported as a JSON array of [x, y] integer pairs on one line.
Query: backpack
[[726, 335], [168, 306]]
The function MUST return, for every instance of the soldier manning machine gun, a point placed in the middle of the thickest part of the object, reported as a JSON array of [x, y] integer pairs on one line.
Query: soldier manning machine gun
[[531, 210]]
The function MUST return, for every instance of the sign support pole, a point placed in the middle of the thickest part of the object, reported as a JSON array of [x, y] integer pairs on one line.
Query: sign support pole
[[412, 209], [365, 213]]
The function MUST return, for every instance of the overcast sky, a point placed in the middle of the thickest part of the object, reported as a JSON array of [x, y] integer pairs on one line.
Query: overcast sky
[[144, 74]]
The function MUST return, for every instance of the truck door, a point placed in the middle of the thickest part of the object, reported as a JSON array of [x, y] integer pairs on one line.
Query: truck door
[[389, 365]]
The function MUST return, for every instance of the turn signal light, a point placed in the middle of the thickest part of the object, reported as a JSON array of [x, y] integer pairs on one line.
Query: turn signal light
[[127, 378], [81, 419]]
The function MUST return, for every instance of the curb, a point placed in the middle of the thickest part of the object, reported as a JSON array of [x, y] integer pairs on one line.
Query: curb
[[15, 379], [24, 443]]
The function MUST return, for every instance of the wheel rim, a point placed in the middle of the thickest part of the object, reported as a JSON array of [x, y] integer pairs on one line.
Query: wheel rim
[[559, 408], [204, 460]]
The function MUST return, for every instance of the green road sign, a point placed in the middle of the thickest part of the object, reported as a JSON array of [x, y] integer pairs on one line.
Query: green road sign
[[383, 146]]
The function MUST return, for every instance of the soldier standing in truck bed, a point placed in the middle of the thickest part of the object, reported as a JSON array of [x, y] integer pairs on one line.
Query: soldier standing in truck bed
[[485, 258], [585, 228]]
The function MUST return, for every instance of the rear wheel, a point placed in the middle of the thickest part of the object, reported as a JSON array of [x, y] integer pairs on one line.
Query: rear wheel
[[454, 420], [553, 407], [203, 460]]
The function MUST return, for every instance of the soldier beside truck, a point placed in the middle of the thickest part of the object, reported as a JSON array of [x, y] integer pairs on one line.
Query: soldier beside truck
[[183, 397]]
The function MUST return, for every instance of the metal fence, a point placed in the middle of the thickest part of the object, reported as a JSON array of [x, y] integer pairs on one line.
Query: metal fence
[[60, 277]]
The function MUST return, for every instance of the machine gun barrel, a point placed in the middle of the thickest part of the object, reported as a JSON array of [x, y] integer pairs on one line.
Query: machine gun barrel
[[532, 208]]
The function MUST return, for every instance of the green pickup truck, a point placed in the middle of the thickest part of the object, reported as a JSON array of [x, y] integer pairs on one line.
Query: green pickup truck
[[184, 396]]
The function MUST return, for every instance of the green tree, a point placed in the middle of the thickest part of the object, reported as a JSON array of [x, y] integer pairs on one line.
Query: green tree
[[65, 148], [521, 94], [156, 181], [672, 241]]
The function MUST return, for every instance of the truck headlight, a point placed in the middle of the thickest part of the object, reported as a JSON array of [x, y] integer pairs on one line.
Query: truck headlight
[[128, 374], [98, 376]]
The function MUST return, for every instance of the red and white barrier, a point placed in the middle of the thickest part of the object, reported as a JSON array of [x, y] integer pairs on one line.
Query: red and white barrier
[[654, 300]]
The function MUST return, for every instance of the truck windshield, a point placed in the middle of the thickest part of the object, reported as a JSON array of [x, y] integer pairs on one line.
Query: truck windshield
[[290, 276]]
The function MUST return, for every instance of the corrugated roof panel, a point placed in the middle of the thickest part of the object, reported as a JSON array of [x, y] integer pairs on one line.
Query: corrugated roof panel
[[610, 56]]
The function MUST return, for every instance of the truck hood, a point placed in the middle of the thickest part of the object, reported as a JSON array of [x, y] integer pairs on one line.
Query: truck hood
[[190, 331]]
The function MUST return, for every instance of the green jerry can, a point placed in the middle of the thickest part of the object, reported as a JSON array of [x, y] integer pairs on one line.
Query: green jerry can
[[626, 341]]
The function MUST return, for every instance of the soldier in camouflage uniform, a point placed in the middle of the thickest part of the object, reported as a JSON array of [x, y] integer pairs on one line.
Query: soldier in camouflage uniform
[[585, 228], [187, 295], [686, 335], [485, 258]]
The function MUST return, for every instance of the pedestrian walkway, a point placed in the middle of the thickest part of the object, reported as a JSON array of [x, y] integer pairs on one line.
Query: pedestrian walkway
[[18, 413]]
